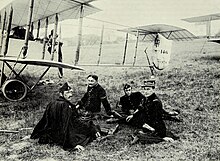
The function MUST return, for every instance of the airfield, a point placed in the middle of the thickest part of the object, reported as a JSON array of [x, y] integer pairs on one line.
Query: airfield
[[190, 84]]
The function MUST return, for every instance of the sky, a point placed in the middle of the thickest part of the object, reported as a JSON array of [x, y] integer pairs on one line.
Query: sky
[[144, 12], [134, 13]]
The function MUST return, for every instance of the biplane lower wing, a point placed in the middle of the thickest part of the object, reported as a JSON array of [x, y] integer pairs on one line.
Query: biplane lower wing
[[15, 89], [40, 63]]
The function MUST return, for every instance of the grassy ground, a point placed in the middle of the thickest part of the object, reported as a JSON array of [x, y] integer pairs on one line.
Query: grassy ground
[[191, 84]]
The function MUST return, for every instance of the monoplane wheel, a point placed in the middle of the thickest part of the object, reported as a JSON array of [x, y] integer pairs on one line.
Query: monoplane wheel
[[14, 90]]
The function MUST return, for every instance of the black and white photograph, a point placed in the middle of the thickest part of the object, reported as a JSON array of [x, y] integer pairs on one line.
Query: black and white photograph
[[109, 80]]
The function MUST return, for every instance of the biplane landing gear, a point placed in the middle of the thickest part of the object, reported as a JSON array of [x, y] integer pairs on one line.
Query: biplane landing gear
[[14, 90]]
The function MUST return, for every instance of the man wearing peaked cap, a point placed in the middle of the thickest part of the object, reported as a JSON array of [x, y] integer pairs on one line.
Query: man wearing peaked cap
[[65, 91], [149, 83], [154, 125], [61, 113], [64, 87]]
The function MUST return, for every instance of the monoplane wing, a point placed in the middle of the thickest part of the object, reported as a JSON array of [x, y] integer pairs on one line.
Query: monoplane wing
[[204, 18], [66, 9], [47, 63], [149, 32]]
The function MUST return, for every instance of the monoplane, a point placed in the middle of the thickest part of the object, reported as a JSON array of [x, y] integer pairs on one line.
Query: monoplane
[[30, 13]]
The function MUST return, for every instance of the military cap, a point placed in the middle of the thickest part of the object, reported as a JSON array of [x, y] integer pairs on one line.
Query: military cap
[[126, 86], [65, 87], [149, 83]]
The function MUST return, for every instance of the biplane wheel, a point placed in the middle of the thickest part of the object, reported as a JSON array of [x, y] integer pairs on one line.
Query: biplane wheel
[[14, 90]]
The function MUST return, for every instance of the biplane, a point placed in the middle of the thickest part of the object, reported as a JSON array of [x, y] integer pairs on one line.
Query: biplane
[[157, 55], [207, 19], [28, 14], [161, 36]]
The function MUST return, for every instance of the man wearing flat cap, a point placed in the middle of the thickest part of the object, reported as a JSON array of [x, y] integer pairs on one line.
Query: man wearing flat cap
[[62, 125]]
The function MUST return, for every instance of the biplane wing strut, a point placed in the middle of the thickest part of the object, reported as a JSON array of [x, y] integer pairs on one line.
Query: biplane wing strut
[[31, 13]]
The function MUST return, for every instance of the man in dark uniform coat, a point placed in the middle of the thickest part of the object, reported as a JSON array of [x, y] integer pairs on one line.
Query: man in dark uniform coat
[[154, 129], [154, 111], [94, 96], [62, 125]]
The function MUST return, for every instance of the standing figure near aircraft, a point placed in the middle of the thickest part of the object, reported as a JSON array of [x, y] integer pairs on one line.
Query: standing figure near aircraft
[[49, 42], [60, 54], [157, 41], [62, 125], [94, 96]]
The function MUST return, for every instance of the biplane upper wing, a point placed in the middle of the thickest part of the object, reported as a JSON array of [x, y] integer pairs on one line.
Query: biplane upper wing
[[47, 63], [204, 18], [149, 32], [67, 9]]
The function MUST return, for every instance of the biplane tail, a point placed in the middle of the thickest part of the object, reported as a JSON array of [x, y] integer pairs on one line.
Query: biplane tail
[[161, 36], [206, 19]]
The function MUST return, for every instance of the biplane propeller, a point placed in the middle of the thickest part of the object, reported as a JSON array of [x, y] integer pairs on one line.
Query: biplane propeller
[[30, 14]]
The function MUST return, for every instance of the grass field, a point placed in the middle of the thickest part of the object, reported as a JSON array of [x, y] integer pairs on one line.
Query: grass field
[[190, 84]]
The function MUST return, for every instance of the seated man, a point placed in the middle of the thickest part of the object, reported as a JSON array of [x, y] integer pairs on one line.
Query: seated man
[[130, 106], [130, 101], [154, 129], [62, 125], [94, 96]]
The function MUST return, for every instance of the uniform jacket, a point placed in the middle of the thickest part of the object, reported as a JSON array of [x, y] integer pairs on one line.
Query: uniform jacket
[[154, 114], [131, 102], [93, 98]]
